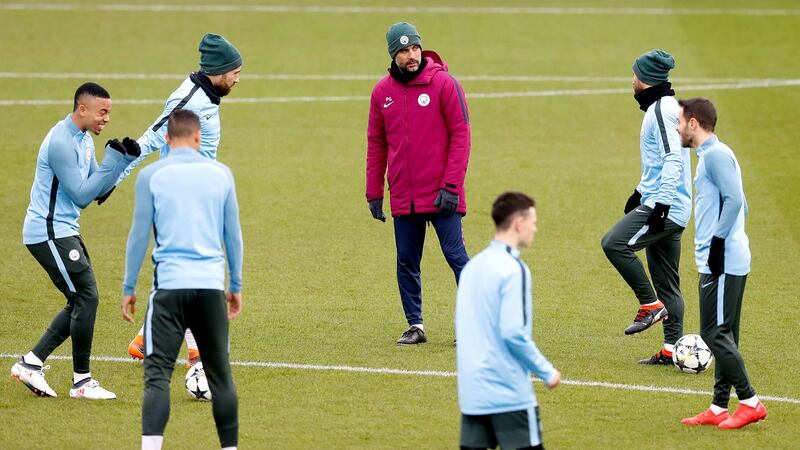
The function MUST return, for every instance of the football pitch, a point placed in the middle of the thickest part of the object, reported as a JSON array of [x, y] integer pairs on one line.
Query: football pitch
[[552, 114]]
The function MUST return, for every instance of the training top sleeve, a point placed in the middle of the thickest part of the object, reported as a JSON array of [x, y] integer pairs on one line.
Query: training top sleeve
[[139, 236], [154, 138], [514, 332], [721, 168], [64, 162], [232, 235]]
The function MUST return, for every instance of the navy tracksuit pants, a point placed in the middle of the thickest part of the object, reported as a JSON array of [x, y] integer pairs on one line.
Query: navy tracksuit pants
[[409, 235]]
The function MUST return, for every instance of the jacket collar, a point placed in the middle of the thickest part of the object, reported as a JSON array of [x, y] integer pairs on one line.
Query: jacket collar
[[182, 151], [505, 247], [705, 146], [73, 129]]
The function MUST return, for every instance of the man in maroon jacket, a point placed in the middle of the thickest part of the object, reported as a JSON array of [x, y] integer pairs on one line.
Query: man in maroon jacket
[[419, 130]]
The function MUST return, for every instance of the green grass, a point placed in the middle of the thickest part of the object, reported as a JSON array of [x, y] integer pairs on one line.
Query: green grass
[[319, 272]]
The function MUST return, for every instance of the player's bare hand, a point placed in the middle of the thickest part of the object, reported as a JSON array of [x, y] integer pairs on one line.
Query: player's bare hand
[[128, 307], [556, 381], [234, 304]]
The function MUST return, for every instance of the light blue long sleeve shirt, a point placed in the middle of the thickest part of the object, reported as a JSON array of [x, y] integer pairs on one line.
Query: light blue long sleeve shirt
[[67, 180], [495, 354], [189, 202], [720, 207], [666, 166], [191, 97]]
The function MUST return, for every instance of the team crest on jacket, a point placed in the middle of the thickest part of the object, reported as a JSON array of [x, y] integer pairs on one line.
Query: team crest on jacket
[[423, 99], [88, 154]]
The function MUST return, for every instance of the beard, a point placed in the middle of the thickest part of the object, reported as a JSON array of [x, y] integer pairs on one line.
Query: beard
[[223, 90], [405, 68]]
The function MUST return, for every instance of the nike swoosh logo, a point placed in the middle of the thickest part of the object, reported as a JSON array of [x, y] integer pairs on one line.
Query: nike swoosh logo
[[386, 105], [703, 286], [641, 210]]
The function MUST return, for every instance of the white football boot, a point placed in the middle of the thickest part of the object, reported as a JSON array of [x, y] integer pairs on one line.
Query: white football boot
[[90, 389], [33, 377]]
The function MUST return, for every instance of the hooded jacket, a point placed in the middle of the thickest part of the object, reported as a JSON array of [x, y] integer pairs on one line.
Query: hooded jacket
[[419, 131]]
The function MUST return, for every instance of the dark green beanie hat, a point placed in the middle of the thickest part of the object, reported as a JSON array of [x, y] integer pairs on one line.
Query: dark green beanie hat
[[653, 67], [400, 36], [217, 55]]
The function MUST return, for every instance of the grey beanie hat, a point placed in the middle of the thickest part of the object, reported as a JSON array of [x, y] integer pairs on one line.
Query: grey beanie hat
[[217, 55], [400, 36], [653, 67]]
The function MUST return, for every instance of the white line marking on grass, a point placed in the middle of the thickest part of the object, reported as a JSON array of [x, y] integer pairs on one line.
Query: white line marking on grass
[[479, 95], [368, 77], [319, 9], [423, 373]]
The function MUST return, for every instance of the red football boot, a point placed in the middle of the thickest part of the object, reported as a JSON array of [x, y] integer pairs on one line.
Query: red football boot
[[706, 417], [744, 415]]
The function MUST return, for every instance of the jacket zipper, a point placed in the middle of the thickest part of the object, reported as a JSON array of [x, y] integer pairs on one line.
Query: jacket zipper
[[408, 146]]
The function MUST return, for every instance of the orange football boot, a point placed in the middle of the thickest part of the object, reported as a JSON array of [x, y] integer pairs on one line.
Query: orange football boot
[[136, 347], [706, 417], [744, 415], [192, 357]]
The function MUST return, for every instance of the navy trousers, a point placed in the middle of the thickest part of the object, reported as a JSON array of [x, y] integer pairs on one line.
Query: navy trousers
[[409, 236]]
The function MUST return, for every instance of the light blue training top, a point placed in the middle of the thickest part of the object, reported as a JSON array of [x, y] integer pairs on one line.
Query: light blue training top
[[666, 166], [191, 97], [720, 207], [189, 202], [67, 179], [495, 354]]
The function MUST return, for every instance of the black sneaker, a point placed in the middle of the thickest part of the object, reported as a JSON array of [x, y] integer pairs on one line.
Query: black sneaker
[[646, 318], [659, 359], [412, 336]]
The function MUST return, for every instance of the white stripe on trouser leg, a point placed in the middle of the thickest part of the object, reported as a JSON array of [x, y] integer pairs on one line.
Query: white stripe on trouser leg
[[61, 267], [533, 427], [721, 299], [638, 234], [148, 327]]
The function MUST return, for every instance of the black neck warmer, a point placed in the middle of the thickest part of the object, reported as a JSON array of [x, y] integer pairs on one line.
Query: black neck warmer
[[202, 80], [650, 95], [406, 77]]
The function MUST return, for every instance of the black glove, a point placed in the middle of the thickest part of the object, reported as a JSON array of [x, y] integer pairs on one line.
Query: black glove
[[658, 218], [376, 208], [716, 256], [633, 201], [446, 201], [105, 196], [116, 145], [131, 147]]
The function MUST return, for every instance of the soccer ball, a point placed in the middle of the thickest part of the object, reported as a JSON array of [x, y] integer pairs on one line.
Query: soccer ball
[[691, 354], [197, 384]]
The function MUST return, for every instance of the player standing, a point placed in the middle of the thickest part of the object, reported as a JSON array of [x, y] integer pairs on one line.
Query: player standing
[[722, 253], [495, 352], [188, 286]]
